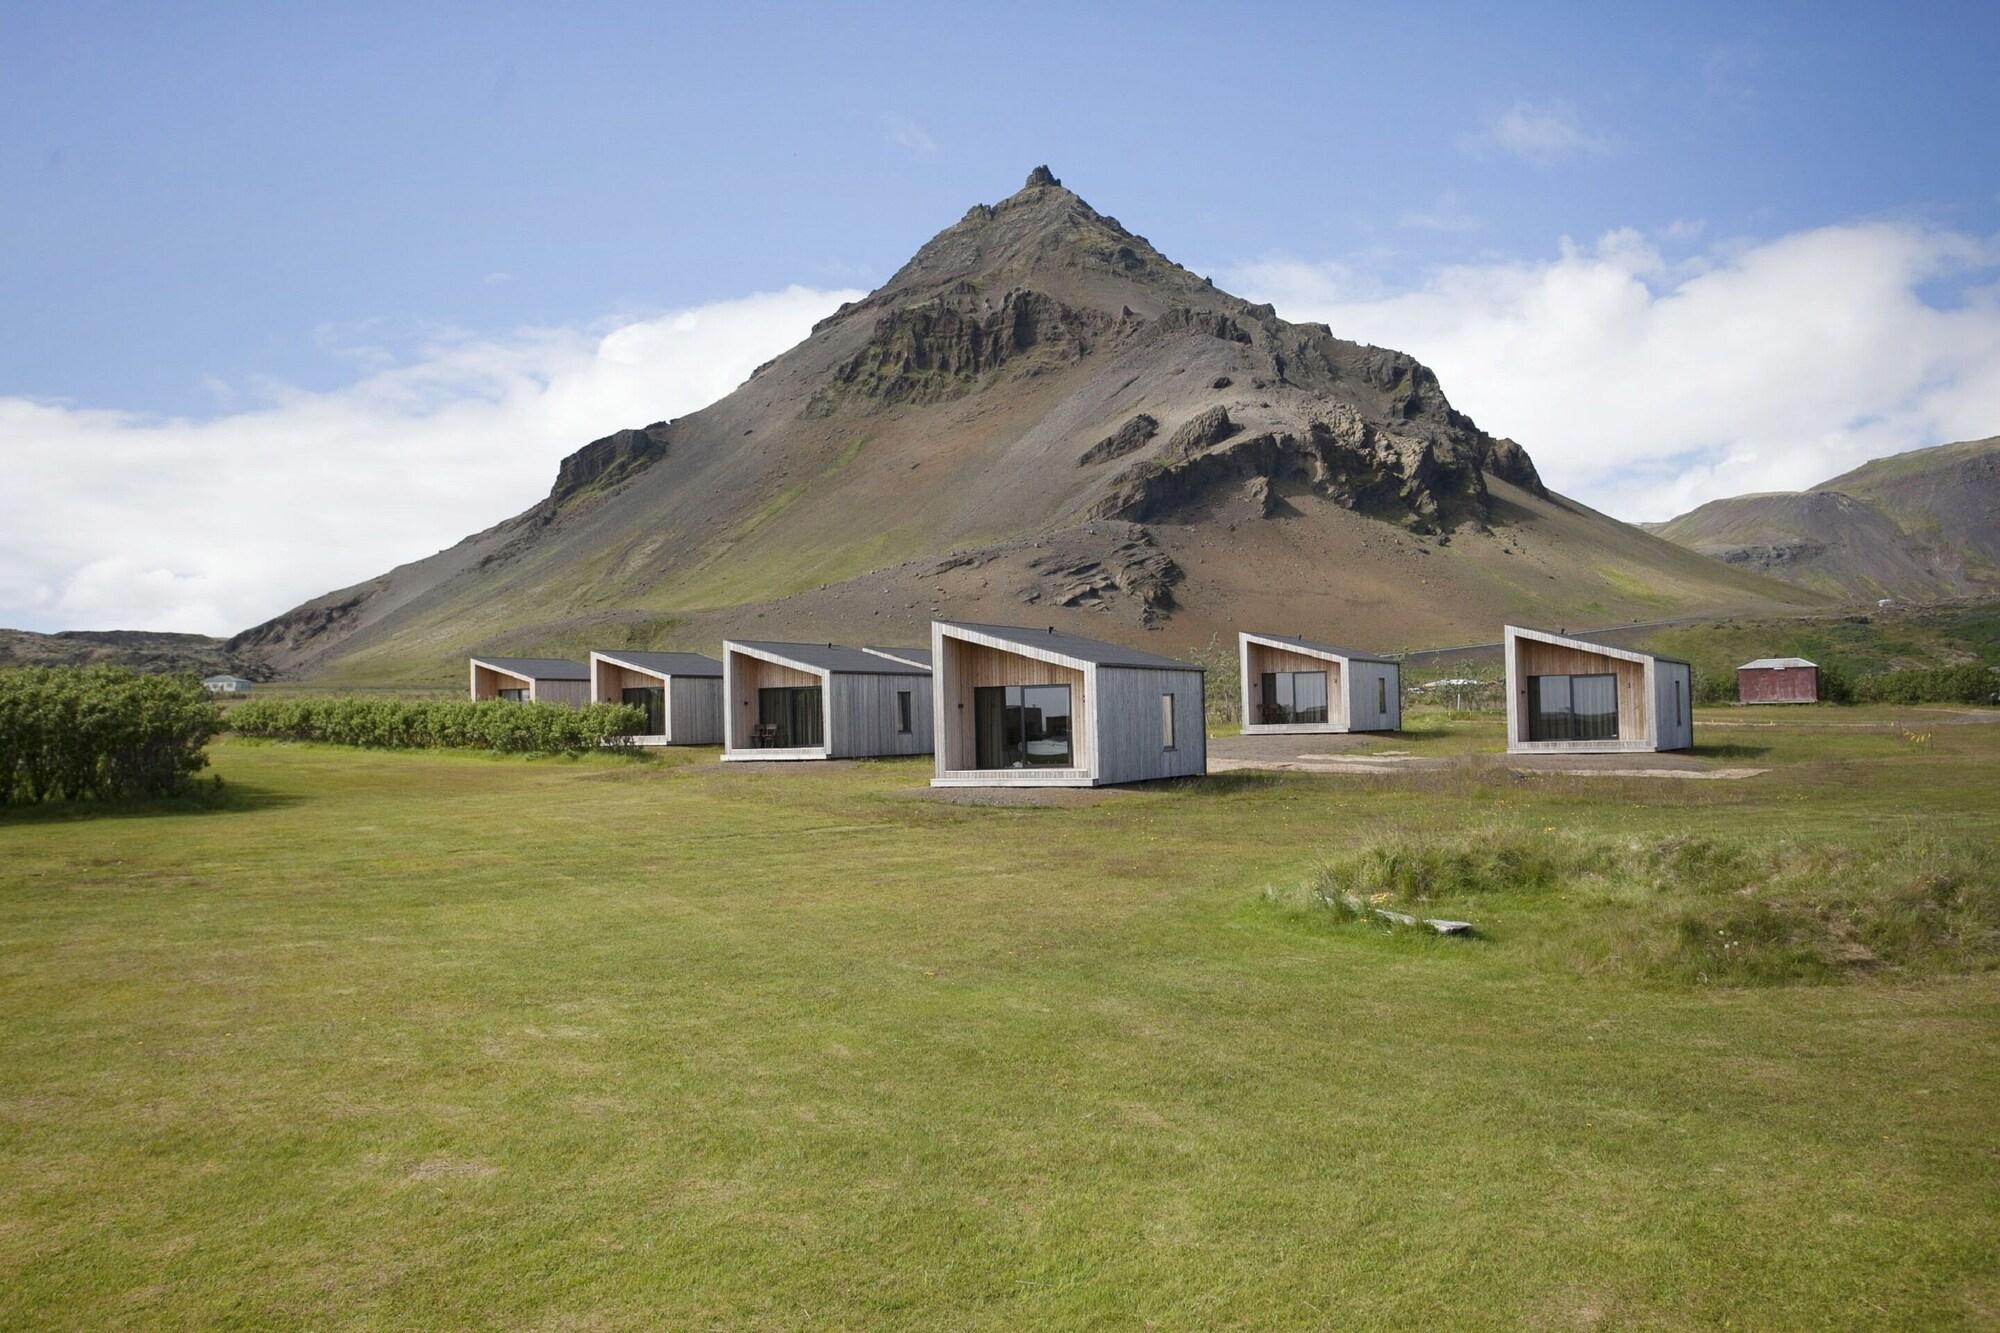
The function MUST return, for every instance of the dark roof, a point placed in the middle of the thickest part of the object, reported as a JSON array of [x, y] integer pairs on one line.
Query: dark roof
[[841, 661], [1599, 643], [1315, 646], [540, 668], [667, 664], [1777, 664], [922, 655], [1095, 651]]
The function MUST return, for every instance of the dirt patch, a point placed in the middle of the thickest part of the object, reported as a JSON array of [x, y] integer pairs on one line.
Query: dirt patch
[[1062, 798]]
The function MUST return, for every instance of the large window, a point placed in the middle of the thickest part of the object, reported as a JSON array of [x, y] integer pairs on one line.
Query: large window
[[1022, 726], [652, 699], [514, 696], [788, 717], [1573, 708], [1294, 696]]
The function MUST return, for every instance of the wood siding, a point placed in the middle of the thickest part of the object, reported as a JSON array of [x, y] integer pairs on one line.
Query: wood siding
[[967, 666], [1778, 685], [1643, 688], [1553, 659], [694, 710], [488, 682], [1257, 658], [742, 676], [1127, 723], [1363, 695], [861, 716]]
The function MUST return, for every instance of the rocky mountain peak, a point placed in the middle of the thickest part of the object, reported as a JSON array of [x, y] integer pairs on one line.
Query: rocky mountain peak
[[1039, 177]]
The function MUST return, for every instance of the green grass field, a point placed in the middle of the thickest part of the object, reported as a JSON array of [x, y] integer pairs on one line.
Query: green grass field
[[445, 1040]]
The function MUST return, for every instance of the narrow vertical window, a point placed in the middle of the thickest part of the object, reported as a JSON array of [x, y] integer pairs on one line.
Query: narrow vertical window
[[1166, 722], [1381, 694], [902, 712], [1677, 702]]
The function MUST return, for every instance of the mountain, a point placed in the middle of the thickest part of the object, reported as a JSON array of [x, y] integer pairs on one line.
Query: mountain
[[1918, 526], [1039, 418]]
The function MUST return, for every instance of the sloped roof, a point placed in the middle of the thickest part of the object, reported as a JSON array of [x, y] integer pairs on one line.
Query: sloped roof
[[919, 656], [666, 664], [539, 668], [833, 657], [1094, 651], [1588, 642], [1313, 646], [1777, 664]]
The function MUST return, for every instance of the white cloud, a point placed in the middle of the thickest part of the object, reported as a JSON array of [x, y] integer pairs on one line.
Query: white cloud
[[1645, 387], [1541, 135], [112, 519], [905, 134]]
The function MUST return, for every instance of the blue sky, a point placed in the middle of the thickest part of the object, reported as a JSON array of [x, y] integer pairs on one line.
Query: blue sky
[[206, 211]]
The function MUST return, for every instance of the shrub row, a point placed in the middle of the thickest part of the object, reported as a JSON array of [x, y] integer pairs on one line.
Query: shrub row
[[396, 724], [100, 733], [1970, 684]]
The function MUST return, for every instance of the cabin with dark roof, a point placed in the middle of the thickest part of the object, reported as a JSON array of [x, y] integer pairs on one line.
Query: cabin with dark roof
[[1297, 687], [1778, 680], [1041, 708], [531, 680], [680, 693], [821, 701], [1577, 696]]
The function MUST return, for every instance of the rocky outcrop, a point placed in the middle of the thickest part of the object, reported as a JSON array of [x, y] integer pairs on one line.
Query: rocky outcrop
[[1510, 462], [1128, 438], [1088, 568], [604, 463], [945, 347], [1206, 428], [1427, 483]]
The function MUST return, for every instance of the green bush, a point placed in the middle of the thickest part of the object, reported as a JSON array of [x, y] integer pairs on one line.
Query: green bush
[[398, 724], [100, 733], [1969, 684]]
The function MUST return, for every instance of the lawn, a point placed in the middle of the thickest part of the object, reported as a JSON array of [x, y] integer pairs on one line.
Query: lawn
[[430, 1040]]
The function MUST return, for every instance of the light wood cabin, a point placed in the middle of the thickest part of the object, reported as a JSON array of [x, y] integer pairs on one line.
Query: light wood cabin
[[1295, 687], [531, 680], [1573, 696], [681, 694], [821, 701], [1038, 708]]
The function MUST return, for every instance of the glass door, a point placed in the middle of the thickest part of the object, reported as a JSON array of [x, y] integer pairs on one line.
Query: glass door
[[794, 714], [652, 700], [1023, 726]]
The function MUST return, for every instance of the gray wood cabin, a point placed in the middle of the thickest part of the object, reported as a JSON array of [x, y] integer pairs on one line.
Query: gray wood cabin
[[1567, 695], [821, 701], [531, 680], [1296, 687], [1041, 708], [680, 693]]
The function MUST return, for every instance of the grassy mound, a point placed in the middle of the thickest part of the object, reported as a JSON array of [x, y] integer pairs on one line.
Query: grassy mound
[[1689, 909]]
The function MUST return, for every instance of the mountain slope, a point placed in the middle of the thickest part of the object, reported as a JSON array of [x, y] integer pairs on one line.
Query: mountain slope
[[1039, 416], [1918, 526]]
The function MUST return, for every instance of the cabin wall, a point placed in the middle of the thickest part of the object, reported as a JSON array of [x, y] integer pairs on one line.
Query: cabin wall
[[1531, 657], [1257, 658], [694, 710], [1673, 705], [962, 667], [569, 693], [861, 716], [1127, 721], [1363, 695], [1781, 685], [487, 683], [742, 676]]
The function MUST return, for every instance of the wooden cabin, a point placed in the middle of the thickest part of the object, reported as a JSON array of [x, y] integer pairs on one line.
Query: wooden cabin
[[531, 680], [1040, 708], [1574, 696], [821, 701], [681, 694], [227, 684], [1778, 680], [1296, 687]]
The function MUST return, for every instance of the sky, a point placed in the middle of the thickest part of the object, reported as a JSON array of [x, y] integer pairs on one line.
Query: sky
[[293, 294]]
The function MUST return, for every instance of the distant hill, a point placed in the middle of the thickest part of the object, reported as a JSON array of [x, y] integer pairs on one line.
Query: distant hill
[[1920, 526], [143, 650]]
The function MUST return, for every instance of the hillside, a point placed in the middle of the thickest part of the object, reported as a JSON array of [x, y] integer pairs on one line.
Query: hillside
[[143, 650], [1039, 417], [1919, 526]]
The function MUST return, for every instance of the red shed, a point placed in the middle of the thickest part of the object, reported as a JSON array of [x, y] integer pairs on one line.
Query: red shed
[[1777, 680]]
